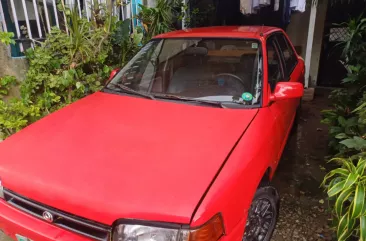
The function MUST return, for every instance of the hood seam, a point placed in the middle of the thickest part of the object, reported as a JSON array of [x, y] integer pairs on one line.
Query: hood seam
[[220, 168]]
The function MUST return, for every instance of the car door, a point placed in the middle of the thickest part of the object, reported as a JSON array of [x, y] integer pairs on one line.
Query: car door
[[293, 71], [275, 74]]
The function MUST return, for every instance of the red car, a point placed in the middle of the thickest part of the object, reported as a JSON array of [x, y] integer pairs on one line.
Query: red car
[[180, 145]]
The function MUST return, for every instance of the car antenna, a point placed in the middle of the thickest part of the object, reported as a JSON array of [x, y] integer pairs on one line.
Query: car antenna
[[261, 32]]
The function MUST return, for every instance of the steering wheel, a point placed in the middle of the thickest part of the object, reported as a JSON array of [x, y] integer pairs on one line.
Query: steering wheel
[[232, 75]]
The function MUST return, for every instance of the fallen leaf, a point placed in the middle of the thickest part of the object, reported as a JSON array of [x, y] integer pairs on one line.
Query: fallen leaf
[[321, 201]]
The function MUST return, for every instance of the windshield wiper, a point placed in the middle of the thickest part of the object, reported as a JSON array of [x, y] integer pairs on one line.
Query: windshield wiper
[[206, 102], [128, 90]]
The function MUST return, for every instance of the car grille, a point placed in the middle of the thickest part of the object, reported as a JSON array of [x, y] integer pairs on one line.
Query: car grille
[[61, 219]]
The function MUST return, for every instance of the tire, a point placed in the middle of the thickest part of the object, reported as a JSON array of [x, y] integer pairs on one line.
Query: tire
[[262, 215]]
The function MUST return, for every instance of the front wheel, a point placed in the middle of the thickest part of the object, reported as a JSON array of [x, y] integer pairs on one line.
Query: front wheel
[[262, 215]]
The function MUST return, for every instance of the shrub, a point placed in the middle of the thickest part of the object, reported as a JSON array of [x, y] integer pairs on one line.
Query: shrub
[[7, 38], [16, 115], [63, 69], [6, 83], [346, 185], [70, 66]]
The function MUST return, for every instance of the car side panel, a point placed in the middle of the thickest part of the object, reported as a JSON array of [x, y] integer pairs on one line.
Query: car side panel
[[232, 192], [297, 75]]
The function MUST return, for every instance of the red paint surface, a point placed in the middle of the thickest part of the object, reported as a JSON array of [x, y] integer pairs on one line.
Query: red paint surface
[[224, 31], [14, 221], [108, 157], [287, 90]]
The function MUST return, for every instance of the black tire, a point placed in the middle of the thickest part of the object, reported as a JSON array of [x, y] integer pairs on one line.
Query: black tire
[[262, 215]]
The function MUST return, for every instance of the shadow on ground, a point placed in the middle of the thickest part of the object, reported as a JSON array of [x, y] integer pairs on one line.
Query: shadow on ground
[[303, 214]]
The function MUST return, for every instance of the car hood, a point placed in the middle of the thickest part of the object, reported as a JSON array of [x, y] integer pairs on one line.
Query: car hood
[[109, 156]]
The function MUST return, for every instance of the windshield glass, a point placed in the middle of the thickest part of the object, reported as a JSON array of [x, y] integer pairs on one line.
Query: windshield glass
[[205, 69]]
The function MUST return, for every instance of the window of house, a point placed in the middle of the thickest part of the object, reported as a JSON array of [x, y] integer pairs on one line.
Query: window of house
[[275, 73], [288, 54]]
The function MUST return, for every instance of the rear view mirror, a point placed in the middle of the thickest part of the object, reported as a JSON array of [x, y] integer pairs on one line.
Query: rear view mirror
[[113, 73], [287, 90]]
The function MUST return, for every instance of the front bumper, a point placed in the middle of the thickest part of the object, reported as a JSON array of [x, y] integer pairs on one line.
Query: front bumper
[[14, 221]]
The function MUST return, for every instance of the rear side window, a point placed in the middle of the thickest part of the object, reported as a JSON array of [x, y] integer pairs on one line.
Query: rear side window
[[274, 63], [288, 54]]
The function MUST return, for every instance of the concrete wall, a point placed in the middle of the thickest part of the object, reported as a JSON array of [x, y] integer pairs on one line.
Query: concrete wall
[[298, 32], [12, 66]]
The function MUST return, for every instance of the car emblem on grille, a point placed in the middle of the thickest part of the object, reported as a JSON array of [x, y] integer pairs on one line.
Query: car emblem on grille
[[47, 216]]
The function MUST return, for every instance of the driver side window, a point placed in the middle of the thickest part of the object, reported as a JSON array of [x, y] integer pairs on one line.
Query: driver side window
[[275, 73]]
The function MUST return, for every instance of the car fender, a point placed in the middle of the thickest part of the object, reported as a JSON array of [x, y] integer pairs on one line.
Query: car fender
[[234, 187]]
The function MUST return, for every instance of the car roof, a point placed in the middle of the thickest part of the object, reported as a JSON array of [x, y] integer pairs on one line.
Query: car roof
[[222, 31]]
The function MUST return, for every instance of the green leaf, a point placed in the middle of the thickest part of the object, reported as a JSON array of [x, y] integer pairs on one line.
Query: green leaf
[[340, 171], [345, 227], [363, 105], [345, 194], [358, 201], [363, 228], [78, 85], [341, 136], [338, 187], [342, 121], [356, 143], [122, 32], [361, 166], [342, 225], [351, 179]]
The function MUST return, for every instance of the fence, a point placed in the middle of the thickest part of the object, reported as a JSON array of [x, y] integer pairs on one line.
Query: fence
[[31, 20]]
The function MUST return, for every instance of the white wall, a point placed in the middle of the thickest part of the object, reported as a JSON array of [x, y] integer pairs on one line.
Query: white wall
[[298, 31]]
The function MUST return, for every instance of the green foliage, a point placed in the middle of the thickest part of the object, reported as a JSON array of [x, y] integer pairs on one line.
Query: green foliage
[[68, 66], [199, 16], [7, 38], [126, 44], [158, 19], [16, 115], [346, 185], [6, 83], [354, 51]]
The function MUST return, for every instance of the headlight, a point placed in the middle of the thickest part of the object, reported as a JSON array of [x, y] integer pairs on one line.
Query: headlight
[[211, 231], [1, 190]]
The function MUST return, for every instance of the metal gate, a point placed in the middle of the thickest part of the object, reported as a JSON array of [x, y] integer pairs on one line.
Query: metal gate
[[31, 20]]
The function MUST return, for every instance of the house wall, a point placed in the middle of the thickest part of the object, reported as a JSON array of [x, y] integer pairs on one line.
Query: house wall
[[298, 32], [11, 66]]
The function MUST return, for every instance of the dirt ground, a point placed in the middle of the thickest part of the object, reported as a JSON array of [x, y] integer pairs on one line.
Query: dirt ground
[[303, 214]]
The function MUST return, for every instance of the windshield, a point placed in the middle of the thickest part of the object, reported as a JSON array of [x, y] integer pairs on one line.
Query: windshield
[[202, 69]]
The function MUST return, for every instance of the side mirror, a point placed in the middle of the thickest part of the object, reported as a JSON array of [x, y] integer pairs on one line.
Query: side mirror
[[113, 73], [287, 90]]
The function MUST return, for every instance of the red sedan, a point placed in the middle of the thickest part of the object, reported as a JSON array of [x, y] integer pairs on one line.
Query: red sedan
[[181, 144]]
